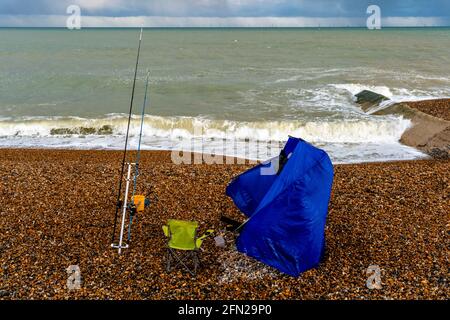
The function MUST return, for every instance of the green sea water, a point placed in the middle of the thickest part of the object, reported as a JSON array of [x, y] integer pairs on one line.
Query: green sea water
[[264, 83]]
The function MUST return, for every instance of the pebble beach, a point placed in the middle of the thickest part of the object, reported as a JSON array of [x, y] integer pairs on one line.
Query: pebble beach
[[57, 210]]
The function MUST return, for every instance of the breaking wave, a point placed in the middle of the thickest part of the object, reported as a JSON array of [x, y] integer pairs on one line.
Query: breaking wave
[[386, 129]]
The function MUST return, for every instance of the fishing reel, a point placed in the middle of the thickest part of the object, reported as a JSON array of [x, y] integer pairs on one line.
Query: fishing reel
[[132, 209]]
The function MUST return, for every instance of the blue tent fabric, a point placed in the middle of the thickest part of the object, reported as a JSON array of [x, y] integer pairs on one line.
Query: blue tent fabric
[[287, 211]]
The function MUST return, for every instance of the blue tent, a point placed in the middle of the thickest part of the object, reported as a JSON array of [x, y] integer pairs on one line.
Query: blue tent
[[287, 207]]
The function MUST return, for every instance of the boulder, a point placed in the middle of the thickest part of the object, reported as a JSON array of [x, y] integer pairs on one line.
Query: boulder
[[369, 99]]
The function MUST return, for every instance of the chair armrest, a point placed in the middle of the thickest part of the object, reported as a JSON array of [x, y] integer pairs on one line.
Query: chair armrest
[[199, 240], [166, 230], [207, 234]]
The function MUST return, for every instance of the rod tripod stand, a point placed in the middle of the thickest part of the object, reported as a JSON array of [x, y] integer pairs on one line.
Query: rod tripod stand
[[120, 245]]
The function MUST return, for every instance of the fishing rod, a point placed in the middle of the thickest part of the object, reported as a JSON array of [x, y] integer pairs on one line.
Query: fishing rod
[[138, 155], [119, 202]]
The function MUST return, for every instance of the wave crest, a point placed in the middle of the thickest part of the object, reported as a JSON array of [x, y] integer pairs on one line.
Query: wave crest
[[387, 129]]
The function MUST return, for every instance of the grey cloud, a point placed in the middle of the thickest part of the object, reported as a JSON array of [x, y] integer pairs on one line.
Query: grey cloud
[[228, 8]]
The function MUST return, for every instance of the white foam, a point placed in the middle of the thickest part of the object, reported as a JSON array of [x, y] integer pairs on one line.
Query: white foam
[[339, 152], [355, 88], [378, 129], [395, 94], [351, 140]]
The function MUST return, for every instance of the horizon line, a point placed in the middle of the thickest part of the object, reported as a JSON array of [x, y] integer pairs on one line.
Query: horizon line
[[227, 27]]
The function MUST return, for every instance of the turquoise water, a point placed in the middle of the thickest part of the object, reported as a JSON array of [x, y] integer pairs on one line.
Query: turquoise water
[[261, 84]]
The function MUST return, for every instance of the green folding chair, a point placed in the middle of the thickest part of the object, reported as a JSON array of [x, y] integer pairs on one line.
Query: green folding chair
[[183, 244]]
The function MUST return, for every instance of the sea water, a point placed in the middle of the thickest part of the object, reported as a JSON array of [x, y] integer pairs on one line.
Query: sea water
[[215, 88]]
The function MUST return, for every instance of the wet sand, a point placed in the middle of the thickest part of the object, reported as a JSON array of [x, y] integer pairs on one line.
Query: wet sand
[[57, 209]]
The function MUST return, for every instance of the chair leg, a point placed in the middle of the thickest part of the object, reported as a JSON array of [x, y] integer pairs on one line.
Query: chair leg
[[169, 257], [178, 260], [196, 261], [197, 254]]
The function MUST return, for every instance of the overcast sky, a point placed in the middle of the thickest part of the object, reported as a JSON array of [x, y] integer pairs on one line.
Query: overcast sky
[[135, 13]]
